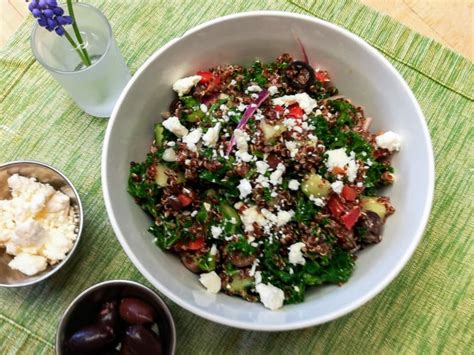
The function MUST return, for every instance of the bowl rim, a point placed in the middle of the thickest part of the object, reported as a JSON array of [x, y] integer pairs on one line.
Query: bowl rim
[[295, 324], [79, 232], [87, 291]]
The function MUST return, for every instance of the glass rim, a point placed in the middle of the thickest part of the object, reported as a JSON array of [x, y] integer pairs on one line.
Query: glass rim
[[50, 68]]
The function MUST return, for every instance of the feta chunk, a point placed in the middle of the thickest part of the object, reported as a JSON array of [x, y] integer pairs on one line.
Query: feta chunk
[[169, 155], [254, 88], [295, 256], [292, 148], [203, 108], [352, 168], [337, 157], [211, 137], [216, 231], [294, 185], [29, 234], [28, 264], [173, 125], [273, 90], [389, 140], [211, 281], [241, 139], [276, 176], [272, 297], [245, 188], [306, 102], [337, 186], [192, 138], [283, 217], [184, 85], [262, 167]]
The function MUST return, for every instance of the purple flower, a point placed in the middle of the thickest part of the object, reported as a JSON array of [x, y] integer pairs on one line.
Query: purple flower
[[49, 15]]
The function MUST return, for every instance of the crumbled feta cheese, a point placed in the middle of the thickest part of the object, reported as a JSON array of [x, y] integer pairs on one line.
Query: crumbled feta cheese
[[337, 157], [337, 186], [241, 139], [207, 206], [213, 250], [203, 108], [28, 264], [184, 85], [211, 137], [169, 155], [241, 107], [192, 138], [293, 185], [258, 277], [283, 217], [275, 177], [295, 256], [312, 137], [273, 90], [317, 201], [245, 188], [253, 268], [244, 156], [352, 168], [262, 166], [250, 216], [292, 148], [173, 125], [306, 102], [272, 297], [211, 281], [216, 231], [254, 88], [233, 82], [389, 140], [29, 234], [35, 221]]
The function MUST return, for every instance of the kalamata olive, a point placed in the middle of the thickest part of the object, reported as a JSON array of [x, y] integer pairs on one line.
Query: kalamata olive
[[174, 203], [273, 161], [109, 315], [372, 223], [239, 259], [190, 262], [300, 75], [139, 340], [90, 338], [135, 311]]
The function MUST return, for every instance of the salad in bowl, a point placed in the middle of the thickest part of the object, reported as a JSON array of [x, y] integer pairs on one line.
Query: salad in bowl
[[264, 181]]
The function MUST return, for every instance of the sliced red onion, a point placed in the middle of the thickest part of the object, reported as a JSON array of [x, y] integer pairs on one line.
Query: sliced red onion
[[303, 50], [208, 99], [249, 111]]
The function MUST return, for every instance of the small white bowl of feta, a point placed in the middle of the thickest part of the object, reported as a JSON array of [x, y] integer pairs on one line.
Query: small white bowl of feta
[[41, 221]]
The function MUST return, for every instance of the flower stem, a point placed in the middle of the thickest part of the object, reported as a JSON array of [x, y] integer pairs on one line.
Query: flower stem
[[86, 58], [75, 46]]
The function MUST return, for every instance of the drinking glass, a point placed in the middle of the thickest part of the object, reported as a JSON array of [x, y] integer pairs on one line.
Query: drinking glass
[[94, 88]]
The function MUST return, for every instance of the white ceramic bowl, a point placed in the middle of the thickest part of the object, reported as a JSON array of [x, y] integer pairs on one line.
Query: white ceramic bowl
[[359, 71]]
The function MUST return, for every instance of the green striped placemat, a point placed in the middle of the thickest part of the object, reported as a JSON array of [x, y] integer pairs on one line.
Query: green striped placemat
[[428, 308]]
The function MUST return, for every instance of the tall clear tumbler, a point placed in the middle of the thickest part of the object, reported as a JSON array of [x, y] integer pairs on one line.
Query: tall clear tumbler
[[94, 88]]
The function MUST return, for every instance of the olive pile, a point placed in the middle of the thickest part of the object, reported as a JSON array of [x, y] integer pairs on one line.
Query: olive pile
[[125, 328]]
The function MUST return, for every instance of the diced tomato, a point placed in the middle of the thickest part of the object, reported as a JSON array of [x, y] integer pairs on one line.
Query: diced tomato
[[335, 206], [349, 193], [295, 111], [206, 76], [195, 244], [322, 76], [351, 217], [279, 108], [184, 200]]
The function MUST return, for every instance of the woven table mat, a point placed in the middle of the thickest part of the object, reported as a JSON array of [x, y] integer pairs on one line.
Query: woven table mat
[[429, 306]]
